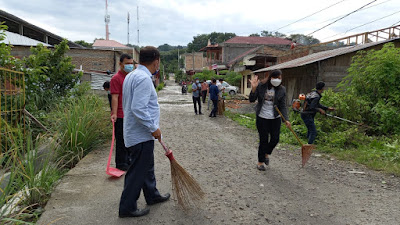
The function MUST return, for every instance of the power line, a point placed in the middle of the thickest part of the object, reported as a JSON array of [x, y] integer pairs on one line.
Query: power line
[[396, 23], [340, 18], [343, 15], [310, 15], [365, 24], [372, 21], [359, 10]]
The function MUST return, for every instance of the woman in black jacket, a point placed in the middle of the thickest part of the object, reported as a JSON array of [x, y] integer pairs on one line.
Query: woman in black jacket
[[269, 93]]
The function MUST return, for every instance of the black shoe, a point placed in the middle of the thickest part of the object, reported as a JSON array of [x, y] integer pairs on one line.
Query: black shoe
[[261, 167], [267, 161], [200, 113], [123, 168], [214, 116], [159, 199], [137, 213], [210, 115]]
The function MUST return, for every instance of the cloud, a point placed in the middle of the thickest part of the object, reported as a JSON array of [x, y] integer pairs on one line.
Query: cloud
[[176, 22]]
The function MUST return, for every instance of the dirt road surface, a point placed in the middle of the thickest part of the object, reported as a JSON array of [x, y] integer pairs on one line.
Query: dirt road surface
[[222, 156]]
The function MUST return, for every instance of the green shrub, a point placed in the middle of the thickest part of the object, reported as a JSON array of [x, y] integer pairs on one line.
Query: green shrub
[[82, 123], [373, 86], [160, 87]]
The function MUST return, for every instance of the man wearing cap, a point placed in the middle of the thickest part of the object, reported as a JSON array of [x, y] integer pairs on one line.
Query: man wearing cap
[[196, 88], [312, 106]]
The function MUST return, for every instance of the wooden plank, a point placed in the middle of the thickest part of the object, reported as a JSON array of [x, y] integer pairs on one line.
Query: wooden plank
[[290, 90]]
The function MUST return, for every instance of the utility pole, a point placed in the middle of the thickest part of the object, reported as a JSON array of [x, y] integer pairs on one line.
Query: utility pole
[[128, 28], [178, 59], [138, 41]]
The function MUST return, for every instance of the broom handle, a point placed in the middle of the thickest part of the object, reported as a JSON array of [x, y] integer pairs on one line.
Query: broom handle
[[166, 149], [290, 128]]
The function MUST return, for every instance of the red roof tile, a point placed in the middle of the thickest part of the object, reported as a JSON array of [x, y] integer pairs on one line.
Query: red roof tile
[[258, 40], [108, 43]]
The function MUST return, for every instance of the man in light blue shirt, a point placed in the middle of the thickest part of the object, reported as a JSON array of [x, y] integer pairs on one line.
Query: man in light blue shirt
[[141, 128], [196, 88]]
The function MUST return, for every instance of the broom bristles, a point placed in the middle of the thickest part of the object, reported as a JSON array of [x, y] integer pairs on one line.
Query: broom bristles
[[306, 151], [186, 189]]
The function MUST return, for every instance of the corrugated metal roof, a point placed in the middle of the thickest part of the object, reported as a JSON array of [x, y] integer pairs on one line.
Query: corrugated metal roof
[[258, 40], [18, 20], [19, 40], [319, 56], [108, 44]]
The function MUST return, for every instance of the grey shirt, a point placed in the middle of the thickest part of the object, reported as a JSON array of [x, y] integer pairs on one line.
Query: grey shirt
[[197, 92]]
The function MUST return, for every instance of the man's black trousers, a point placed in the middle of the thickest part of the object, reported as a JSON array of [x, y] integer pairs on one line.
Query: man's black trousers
[[121, 153], [140, 176]]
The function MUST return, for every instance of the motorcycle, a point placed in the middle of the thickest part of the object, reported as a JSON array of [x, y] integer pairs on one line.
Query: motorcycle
[[184, 89]]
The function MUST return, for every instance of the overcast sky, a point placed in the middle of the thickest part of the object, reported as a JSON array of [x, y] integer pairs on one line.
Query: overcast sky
[[176, 22]]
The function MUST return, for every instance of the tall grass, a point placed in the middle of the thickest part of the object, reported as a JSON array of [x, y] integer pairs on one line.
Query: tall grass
[[82, 124], [30, 181], [78, 123]]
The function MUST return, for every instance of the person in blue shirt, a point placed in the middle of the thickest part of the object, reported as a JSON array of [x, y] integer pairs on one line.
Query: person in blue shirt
[[214, 97], [141, 128], [196, 88]]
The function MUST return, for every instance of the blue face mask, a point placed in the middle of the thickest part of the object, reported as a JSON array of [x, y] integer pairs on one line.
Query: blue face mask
[[128, 68], [197, 81], [155, 72]]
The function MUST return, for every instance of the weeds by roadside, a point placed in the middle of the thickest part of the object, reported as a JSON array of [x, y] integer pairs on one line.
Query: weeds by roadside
[[346, 142], [33, 166]]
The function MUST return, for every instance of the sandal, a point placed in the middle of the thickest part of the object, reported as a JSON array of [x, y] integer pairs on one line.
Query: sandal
[[261, 167], [267, 161]]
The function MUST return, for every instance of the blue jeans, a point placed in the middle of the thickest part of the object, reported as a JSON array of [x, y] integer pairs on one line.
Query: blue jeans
[[311, 129]]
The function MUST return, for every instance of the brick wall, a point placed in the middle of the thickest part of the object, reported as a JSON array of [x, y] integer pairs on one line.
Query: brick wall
[[199, 61], [90, 59], [97, 60]]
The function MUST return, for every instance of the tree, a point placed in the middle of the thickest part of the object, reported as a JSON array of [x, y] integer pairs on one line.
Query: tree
[[133, 46], [165, 48], [266, 33], [84, 43], [373, 80], [255, 35], [201, 41], [6, 59], [50, 74], [304, 39]]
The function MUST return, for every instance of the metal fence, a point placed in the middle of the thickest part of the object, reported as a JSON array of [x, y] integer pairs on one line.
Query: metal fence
[[12, 104]]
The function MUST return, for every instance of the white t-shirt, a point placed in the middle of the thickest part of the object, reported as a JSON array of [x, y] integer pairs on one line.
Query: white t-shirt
[[220, 87], [267, 110]]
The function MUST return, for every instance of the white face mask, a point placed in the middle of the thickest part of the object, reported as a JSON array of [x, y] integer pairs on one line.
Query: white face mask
[[276, 82]]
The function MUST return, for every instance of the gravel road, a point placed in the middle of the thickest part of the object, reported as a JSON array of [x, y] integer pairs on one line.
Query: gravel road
[[222, 156]]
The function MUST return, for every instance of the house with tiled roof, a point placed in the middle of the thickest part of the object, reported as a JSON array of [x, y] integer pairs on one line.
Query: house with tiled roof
[[300, 75], [239, 45], [109, 44]]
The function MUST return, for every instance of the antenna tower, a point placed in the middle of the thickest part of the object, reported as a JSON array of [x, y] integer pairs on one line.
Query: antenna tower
[[107, 21]]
